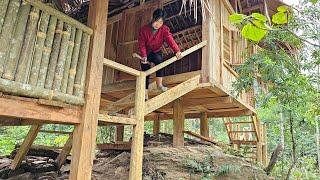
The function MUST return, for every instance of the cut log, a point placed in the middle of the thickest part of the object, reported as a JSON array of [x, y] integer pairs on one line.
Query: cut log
[[41, 37], [24, 65], [74, 62], [16, 88], [82, 66], [3, 10], [16, 45], [47, 51], [68, 61], [7, 29], [62, 58], [54, 55], [274, 158]]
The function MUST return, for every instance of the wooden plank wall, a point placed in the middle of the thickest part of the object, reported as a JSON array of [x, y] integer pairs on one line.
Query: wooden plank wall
[[122, 35]]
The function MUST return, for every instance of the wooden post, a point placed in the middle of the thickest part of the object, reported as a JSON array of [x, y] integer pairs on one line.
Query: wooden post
[[26, 144], [265, 146], [156, 126], [138, 130], [119, 133], [204, 126], [259, 146], [178, 123], [64, 153], [84, 136]]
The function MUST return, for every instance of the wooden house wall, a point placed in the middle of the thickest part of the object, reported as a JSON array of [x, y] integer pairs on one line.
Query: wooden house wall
[[122, 35]]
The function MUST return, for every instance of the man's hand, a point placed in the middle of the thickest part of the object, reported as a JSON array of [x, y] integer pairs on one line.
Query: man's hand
[[144, 60], [179, 55]]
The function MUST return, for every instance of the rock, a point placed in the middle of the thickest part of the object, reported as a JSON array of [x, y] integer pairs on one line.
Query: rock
[[24, 176]]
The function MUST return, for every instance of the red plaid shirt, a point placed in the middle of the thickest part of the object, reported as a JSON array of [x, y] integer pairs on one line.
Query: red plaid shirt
[[153, 42]]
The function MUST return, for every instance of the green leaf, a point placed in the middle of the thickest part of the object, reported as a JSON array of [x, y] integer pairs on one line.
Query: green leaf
[[259, 24], [280, 18], [313, 1], [237, 18], [253, 33], [259, 17], [282, 8]]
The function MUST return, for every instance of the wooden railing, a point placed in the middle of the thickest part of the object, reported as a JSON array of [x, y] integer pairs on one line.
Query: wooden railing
[[43, 52]]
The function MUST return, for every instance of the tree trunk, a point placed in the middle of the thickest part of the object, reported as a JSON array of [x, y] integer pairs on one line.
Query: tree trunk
[[274, 158], [318, 140], [294, 158]]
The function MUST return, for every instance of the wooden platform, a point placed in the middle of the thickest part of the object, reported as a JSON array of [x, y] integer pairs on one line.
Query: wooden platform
[[207, 97]]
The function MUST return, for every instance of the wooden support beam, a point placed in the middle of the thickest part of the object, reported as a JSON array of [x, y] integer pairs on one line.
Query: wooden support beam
[[178, 123], [138, 130], [119, 133], [173, 59], [84, 136], [119, 86], [264, 146], [117, 146], [116, 119], [54, 132], [204, 125], [203, 138], [25, 108], [156, 126], [25, 146], [121, 67], [119, 105], [64, 152], [171, 94]]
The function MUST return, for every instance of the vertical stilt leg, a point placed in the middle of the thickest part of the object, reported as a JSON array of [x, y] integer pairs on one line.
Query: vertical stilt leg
[[178, 123], [138, 130]]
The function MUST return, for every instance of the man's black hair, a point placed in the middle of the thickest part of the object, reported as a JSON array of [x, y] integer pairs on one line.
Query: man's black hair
[[158, 14]]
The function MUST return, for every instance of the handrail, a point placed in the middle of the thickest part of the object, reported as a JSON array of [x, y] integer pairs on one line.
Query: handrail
[[121, 67], [173, 59], [60, 15]]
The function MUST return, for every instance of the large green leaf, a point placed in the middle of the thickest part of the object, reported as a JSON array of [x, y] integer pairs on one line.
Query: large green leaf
[[259, 17], [280, 18], [282, 8], [253, 33], [237, 18], [314, 1]]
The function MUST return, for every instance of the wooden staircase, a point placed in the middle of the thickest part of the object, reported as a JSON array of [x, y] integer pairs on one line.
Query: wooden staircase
[[248, 136]]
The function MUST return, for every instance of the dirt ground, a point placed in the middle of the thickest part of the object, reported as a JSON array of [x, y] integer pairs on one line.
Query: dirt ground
[[161, 161]]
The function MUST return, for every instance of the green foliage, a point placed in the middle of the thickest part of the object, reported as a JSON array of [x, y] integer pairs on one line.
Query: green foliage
[[227, 168], [253, 32], [204, 167]]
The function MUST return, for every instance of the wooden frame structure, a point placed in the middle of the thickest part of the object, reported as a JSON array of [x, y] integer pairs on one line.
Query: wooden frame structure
[[95, 97]]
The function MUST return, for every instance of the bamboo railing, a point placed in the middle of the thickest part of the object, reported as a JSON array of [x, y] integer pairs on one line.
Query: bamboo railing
[[43, 52]]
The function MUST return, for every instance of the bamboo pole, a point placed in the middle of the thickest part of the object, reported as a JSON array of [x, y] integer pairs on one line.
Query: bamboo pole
[[74, 62], [47, 51], [82, 66], [14, 54], [7, 29], [16, 88], [62, 58], [54, 55], [41, 37], [24, 64], [3, 10], [68, 61]]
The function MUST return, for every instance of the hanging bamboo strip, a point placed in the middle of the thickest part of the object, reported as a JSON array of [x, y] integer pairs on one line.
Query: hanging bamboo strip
[[47, 51], [27, 48], [41, 37], [68, 61], [16, 43], [3, 10], [62, 58], [54, 55], [81, 67], [74, 62], [7, 29], [21, 89]]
